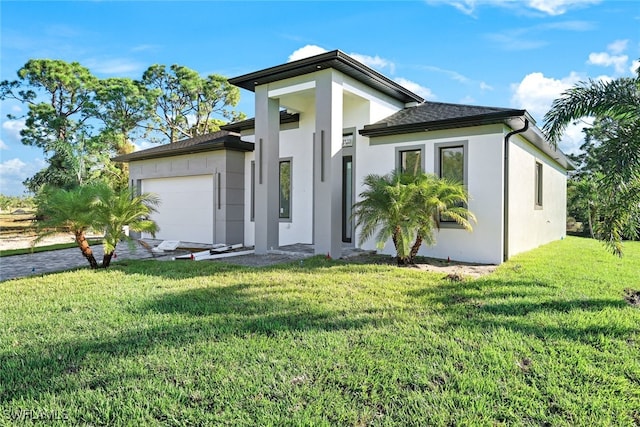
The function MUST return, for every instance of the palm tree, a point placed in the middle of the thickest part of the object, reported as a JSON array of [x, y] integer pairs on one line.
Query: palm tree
[[616, 106], [407, 209], [116, 209], [70, 210]]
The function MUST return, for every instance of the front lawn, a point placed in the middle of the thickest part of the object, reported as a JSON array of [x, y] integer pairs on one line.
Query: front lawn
[[548, 339]]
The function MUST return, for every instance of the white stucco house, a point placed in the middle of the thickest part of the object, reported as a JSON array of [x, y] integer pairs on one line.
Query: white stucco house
[[291, 174]]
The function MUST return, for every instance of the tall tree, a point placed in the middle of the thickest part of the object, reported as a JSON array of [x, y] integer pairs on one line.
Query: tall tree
[[616, 106], [122, 105], [187, 104], [59, 98], [407, 209]]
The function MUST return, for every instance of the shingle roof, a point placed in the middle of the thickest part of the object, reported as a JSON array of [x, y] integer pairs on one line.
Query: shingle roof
[[438, 115], [251, 123], [219, 140]]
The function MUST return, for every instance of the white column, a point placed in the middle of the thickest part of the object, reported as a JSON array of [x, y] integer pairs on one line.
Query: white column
[[267, 156], [327, 180]]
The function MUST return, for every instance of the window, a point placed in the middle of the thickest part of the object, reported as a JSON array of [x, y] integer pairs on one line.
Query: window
[[538, 187], [451, 165], [410, 161], [285, 189], [253, 190]]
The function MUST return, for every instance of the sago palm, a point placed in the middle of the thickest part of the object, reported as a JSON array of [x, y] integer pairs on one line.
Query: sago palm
[[116, 209], [407, 208], [71, 210]]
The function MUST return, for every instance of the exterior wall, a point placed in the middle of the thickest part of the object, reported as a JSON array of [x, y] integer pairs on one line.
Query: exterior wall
[[484, 172], [531, 226], [361, 105], [226, 171]]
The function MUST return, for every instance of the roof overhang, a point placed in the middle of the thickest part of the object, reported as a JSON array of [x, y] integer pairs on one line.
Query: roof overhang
[[220, 141], [514, 119], [335, 59], [285, 118], [382, 129]]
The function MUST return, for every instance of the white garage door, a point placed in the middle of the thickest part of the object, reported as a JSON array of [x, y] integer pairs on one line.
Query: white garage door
[[186, 207]]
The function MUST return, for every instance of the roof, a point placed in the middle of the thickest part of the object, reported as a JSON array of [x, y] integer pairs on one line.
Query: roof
[[251, 123], [431, 116], [221, 140], [438, 115], [335, 59]]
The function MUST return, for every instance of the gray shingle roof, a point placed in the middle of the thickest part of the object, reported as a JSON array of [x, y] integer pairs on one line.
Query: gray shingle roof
[[219, 140], [251, 123], [438, 115]]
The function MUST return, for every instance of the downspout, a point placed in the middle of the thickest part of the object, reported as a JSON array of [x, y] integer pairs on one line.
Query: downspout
[[505, 214]]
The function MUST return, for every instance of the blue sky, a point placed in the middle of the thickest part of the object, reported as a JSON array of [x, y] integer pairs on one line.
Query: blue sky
[[505, 53]]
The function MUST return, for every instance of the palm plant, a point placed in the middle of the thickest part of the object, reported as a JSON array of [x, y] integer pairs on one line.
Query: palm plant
[[407, 209], [116, 209], [616, 106], [71, 210]]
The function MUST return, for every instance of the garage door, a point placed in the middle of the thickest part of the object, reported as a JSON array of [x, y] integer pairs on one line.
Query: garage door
[[186, 207]]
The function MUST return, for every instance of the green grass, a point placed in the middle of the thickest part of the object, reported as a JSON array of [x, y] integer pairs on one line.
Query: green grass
[[548, 339], [47, 248]]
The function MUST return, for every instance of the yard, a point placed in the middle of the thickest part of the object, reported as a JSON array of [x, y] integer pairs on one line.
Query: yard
[[547, 339]]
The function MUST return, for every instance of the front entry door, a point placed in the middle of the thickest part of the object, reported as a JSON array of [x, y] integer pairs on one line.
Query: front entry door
[[347, 198]]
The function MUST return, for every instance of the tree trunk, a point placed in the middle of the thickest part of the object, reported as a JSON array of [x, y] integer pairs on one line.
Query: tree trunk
[[415, 248], [81, 240], [106, 259], [394, 238]]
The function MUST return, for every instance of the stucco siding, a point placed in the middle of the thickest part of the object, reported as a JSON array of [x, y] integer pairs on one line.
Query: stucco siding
[[529, 225], [484, 168]]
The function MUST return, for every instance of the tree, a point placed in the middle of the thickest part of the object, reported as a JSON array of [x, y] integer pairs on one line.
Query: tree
[[70, 210], [116, 209], [616, 106], [407, 209], [96, 207], [186, 103], [59, 99], [123, 105]]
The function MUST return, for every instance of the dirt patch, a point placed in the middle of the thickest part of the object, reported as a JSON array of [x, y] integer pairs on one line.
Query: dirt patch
[[453, 270], [632, 297]]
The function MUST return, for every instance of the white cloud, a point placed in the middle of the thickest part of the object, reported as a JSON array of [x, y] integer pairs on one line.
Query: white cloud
[[485, 86], [14, 171], [618, 46], [12, 129], [305, 52], [549, 7], [619, 62], [416, 88], [536, 93], [3, 146], [558, 7], [117, 66], [469, 100], [634, 66], [370, 61], [374, 62]]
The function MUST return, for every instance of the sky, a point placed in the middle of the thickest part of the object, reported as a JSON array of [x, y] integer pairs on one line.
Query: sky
[[501, 53]]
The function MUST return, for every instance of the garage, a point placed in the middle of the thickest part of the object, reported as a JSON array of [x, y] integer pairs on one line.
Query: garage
[[191, 201]]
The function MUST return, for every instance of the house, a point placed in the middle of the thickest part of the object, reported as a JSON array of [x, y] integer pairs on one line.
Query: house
[[291, 174]]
